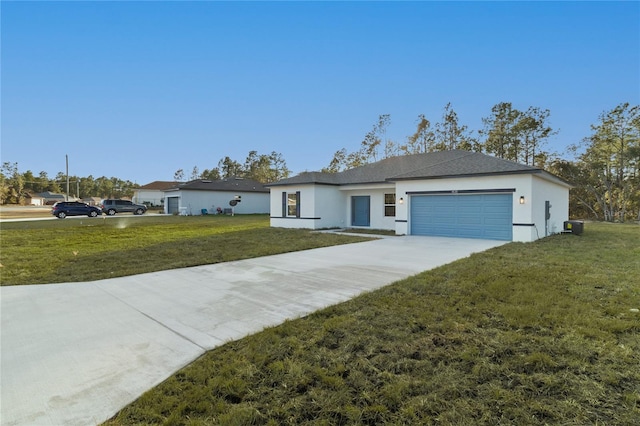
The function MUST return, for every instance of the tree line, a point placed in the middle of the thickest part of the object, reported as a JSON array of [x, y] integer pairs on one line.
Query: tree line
[[262, 168], [15, 186], [508, 133], [604, 167]]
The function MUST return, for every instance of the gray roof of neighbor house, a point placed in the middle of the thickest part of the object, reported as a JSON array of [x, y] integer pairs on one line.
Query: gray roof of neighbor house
[[432, 165], [159, 185], [232, 184], [51, 195]]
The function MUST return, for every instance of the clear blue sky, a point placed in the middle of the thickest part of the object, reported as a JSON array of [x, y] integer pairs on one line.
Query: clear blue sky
[[138, 90]]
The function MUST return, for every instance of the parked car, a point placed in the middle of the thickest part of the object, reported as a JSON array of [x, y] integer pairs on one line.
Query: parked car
[[62, 209], [114, 206]]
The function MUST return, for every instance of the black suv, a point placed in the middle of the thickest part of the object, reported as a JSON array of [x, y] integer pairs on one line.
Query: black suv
[[62, 209], [112, 207]]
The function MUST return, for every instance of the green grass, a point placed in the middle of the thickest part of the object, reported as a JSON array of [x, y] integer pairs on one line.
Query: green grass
[[86, 249], [523, 334]]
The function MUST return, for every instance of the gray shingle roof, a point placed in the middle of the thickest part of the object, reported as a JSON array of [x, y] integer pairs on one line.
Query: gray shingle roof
[[433, 165], [231, 184], [159, 185]]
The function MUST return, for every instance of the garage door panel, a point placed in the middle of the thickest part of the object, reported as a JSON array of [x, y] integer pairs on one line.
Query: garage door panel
[[487, 216]]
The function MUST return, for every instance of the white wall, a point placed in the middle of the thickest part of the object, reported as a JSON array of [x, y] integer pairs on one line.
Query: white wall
[[195, 201], [376, 206], [326, 206], [558, 196], [528, 217], [153, 196], [321, 206]]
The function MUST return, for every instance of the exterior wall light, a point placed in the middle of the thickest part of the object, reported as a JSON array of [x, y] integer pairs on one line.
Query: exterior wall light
[[522, 199], [401, 200]]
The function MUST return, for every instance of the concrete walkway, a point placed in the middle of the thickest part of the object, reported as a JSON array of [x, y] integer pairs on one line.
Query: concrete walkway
[[76, 353]]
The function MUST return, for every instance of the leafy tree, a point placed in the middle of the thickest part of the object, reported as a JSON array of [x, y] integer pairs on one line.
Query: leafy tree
[[278, 167], [369, 147], [195, 173], [449, 134], [48, 184], [105, 187], [605, 173], [612, 159], [12, 185], [516, 135], [423, 140], [229, 168], [581, 199], [500, 131], [257, 167], [338, 162], [4, 184], [373, 139], [213, 174], [265, 168], [87, 187], [533, 129]]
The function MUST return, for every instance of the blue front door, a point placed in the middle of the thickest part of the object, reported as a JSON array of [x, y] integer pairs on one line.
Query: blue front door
[[360, 210]]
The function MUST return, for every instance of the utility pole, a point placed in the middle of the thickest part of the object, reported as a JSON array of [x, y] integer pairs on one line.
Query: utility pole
[[67, 159]]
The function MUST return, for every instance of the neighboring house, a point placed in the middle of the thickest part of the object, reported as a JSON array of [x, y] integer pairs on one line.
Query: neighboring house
[[92, 201], [193, 197], [449, 193], [152, 194], [33, 200], [52, 197]]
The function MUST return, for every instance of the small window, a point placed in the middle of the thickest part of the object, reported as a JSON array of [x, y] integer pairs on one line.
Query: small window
[[292, 204], [389, 205]]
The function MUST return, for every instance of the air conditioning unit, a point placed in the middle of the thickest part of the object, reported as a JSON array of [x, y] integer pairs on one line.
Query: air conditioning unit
[[574, 227]]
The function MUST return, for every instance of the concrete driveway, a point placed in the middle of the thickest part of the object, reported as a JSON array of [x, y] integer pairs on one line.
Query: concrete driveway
[[76, 353]]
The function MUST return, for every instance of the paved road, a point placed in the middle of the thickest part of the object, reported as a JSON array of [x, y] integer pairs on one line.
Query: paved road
[[76, 353]]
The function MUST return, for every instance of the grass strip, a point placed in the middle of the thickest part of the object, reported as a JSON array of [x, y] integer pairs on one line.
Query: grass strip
[[86, 249]]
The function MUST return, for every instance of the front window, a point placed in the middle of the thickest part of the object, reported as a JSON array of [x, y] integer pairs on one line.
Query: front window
[[292, 204], [389, 205]]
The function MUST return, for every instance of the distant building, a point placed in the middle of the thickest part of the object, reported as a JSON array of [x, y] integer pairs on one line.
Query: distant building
[[92, 201], [52, 197], [34, 200], [152, 194], [202, 196]]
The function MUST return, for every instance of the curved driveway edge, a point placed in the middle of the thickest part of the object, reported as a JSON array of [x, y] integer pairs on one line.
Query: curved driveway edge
[[77, 353]]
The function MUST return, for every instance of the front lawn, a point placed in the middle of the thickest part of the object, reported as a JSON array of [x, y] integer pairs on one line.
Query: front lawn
[[86, 249], [523, 334]]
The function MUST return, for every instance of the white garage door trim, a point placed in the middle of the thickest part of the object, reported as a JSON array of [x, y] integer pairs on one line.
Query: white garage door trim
[[463, 214]]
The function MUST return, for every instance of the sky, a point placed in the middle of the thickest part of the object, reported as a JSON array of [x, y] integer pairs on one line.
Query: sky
[[139, 90]]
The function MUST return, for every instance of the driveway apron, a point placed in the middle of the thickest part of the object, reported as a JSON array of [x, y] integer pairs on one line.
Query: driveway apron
[[76, 353]]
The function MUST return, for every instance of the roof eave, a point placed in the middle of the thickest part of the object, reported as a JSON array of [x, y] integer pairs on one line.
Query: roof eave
[[466, 175]]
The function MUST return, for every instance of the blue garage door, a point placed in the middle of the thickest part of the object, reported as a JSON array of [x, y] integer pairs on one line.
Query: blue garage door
[[487, 216]]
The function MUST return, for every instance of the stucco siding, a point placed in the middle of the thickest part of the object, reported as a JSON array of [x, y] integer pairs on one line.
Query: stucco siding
[[558, 197], [520, 184], [528, 218], [192, 202], [153, 197], [320, 207], [376, 207], [328, 206]]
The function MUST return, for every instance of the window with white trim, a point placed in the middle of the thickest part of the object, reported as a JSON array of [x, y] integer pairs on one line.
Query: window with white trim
[[292, 204], [389, 205]]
